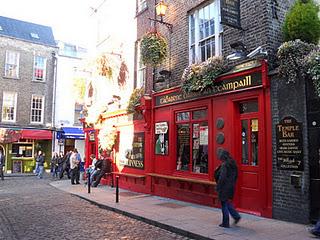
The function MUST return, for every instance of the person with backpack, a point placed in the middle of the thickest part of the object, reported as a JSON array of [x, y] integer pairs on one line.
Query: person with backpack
[[226, 177]]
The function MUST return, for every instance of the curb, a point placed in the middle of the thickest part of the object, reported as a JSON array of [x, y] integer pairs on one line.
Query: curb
[[146, 220]]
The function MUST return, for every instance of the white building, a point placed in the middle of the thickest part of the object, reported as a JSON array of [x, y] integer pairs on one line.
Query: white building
[[70, 83]]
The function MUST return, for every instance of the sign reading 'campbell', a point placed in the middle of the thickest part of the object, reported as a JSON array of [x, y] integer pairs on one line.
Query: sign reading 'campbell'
[[229, 85]]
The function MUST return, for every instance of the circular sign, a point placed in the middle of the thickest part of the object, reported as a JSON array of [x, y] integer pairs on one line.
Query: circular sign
[[220, 138], [220, 123]]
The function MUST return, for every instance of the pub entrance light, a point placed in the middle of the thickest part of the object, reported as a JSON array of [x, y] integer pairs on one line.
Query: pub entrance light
[[161, 9]]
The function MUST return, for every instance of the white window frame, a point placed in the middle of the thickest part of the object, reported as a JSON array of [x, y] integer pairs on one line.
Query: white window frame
[[42, 109], [218, 30], [142, 4], [14, 105], [12, 64], [43, 68], [141, 69]]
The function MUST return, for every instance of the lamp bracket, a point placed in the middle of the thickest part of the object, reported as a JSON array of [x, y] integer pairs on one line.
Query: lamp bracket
[[168, 25]]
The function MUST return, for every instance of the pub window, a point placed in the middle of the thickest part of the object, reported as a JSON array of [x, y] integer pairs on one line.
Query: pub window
[[192, 141]]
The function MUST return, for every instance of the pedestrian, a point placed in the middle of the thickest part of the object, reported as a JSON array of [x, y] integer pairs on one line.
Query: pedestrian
[[65, 165], [2, 163], [74, 166], [36, 170], [226, 177], [82, 168], [93, 170], [54, 165], [78, 157], [316, 230], [40, 160]]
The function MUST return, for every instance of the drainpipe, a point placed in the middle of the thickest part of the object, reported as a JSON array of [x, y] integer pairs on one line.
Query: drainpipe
[[54, 58]]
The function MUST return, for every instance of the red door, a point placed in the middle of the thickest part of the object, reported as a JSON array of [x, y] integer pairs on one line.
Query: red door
[[249, 159]]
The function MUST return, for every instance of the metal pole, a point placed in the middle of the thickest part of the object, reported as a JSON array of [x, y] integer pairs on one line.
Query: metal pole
[[117, 189], [89, 183]]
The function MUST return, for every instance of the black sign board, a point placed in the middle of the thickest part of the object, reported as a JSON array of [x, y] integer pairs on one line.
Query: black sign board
[[228, 85], [135, 155], [230, 13], [289, 144]]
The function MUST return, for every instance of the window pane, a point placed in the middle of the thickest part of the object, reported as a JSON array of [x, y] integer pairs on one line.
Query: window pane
[[183, 149], [199, 114], [254, 141], [248, 107], [183, 116], [200, 148], [244, 142]]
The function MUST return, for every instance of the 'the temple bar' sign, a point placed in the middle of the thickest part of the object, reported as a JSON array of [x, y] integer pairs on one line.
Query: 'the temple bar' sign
[[230, 13]]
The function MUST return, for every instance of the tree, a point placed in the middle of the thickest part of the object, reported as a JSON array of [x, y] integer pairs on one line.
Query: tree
[[302, 22]]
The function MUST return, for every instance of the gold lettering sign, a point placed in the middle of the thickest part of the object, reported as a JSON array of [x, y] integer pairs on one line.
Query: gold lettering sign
[[225, 86]]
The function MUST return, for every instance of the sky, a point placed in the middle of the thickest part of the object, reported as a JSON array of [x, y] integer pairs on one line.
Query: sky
[[71, 20]]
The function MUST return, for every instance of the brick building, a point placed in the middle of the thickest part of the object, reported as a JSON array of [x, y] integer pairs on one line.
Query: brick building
[[173, 150], [27, 63]]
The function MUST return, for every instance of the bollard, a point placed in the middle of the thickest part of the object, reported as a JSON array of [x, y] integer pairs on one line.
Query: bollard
[[117, 189], [89, 183]]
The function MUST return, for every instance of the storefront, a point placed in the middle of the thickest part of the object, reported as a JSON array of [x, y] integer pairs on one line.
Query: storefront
[[21, 147], [171, 152], [70, 138]]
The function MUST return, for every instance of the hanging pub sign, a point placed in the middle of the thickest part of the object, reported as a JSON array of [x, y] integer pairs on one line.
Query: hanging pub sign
[[289, 144], [230, 13], [134, 155], [162, 138]]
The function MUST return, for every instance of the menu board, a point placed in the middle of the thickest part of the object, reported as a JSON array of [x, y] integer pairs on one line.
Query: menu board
[[230, 13], [17, 167], [289, 144]]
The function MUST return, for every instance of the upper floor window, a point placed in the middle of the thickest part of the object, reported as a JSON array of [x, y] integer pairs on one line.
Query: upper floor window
[[12, 64], [141, 68], [37, 108], [205, 33], [142, 4], [9, 106], [39, 68]]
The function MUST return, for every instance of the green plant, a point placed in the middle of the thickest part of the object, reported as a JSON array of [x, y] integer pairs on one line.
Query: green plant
[[153, 49], [135, 99], [292, 64], [199, 77], [104, 66], [313, 66], [302, 22]]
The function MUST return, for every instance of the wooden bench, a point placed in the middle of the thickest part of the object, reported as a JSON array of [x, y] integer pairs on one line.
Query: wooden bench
[[182, 180], [130, 175]]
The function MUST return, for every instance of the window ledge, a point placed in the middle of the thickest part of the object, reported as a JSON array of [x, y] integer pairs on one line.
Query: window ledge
[[13, 78], [38, 81]]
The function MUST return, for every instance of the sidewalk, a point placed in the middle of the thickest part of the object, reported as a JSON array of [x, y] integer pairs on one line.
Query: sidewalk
[[192, 220]]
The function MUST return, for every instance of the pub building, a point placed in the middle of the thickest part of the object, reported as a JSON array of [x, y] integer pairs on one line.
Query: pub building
[[269, 127]]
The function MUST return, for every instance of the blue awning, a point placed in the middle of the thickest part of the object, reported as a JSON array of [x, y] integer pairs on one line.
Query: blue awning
[[72, 133]]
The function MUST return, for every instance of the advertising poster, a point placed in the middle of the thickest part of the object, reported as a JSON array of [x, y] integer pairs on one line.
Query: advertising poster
[[162, 138]]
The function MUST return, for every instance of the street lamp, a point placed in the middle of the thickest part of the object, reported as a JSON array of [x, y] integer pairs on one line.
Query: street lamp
[[161, 9]]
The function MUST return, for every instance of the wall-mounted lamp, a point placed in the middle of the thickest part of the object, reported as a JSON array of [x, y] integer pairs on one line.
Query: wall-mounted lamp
[[161, 9], [240, 51]]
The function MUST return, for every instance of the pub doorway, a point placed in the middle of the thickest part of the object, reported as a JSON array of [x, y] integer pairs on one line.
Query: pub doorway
[[249, 157]]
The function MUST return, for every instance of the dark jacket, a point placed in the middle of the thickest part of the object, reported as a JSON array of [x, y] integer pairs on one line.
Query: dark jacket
[[227, 179], [40, 160], [2, 160]]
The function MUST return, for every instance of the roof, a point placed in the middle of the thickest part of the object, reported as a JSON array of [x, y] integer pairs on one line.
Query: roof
[[27, 31]]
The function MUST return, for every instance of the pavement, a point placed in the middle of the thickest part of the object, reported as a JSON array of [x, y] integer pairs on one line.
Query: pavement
[[191, 220]]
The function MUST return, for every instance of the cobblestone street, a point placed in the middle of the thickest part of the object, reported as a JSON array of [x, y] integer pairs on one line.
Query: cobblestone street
[[32, 209]]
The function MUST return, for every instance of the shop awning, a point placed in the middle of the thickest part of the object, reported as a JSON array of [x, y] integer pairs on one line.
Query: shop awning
[[36, 134], [72, 133]]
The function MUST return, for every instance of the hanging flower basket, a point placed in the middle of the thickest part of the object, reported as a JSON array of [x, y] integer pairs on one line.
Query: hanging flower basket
[[104, 66], [135, 99], [292, 64], [199, 77], [313, 67], [153, 49], [107, 138]]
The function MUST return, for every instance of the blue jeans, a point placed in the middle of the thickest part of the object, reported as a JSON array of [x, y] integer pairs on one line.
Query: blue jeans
[[36, 170], [316, 228], [41, 170], [227, 208]]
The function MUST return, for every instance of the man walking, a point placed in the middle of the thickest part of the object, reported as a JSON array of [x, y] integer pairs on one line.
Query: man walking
[[2, 163], [40, 160], [74, 166], [226, 181]]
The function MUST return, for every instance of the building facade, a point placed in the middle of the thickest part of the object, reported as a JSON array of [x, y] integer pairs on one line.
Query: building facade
[[27, 62], [69, 97], [171, 149]]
